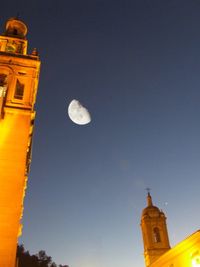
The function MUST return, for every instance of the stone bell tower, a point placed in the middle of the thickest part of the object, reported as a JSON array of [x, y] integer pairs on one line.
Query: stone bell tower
[[19, 74], [154, 232]]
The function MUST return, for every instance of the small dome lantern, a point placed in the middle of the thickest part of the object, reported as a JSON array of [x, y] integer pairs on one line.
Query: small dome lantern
[[16, 28]]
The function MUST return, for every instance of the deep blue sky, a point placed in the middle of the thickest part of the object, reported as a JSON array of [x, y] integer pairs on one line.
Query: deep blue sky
[[135, 65]]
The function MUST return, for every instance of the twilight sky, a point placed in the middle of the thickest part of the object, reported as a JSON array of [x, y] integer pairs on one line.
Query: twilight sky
[[135, 65]]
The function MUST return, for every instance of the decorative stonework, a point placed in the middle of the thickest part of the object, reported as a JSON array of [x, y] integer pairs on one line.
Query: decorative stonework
[[19, 74]]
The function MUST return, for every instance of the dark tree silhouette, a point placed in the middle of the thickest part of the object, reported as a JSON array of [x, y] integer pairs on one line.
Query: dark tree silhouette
[[44, 260], [41, 259]]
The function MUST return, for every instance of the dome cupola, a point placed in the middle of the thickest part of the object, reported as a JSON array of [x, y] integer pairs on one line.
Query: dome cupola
[[151, 210], [16, 28]]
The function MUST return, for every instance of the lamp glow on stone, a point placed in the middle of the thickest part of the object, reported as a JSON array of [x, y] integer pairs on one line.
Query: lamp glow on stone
[[78, 113]]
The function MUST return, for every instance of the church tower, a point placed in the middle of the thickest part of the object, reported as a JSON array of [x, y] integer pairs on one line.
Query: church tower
[[154, 232], [19, 74]]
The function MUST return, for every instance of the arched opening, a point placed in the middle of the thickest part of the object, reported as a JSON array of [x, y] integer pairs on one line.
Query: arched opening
[[19, 90], [156, 234], [15, 32]]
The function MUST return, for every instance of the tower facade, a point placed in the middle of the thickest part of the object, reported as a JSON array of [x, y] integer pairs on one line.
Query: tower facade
[[19, 74], [154, 232]]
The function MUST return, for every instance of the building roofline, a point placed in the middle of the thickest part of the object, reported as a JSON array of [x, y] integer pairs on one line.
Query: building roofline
[[181, 246]]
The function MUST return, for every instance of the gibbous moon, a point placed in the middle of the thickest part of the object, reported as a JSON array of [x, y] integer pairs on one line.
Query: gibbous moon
[[77, 113]]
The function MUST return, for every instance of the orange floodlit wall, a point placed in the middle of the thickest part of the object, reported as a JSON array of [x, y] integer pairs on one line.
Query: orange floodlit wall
[[19, 74], [185, 254]]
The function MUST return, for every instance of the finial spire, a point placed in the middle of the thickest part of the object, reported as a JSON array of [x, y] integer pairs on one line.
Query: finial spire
[[149, 199]]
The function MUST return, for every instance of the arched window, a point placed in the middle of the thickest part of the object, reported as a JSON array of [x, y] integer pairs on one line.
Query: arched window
[[19, 90], [3, 88], [2, 79], [156, 233]]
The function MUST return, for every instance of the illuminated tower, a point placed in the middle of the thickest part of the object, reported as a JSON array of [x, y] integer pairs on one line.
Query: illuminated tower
[[19, 74], [154, 232]]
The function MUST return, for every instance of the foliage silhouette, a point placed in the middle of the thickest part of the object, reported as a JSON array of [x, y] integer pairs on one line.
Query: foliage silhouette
[[41, 259]]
